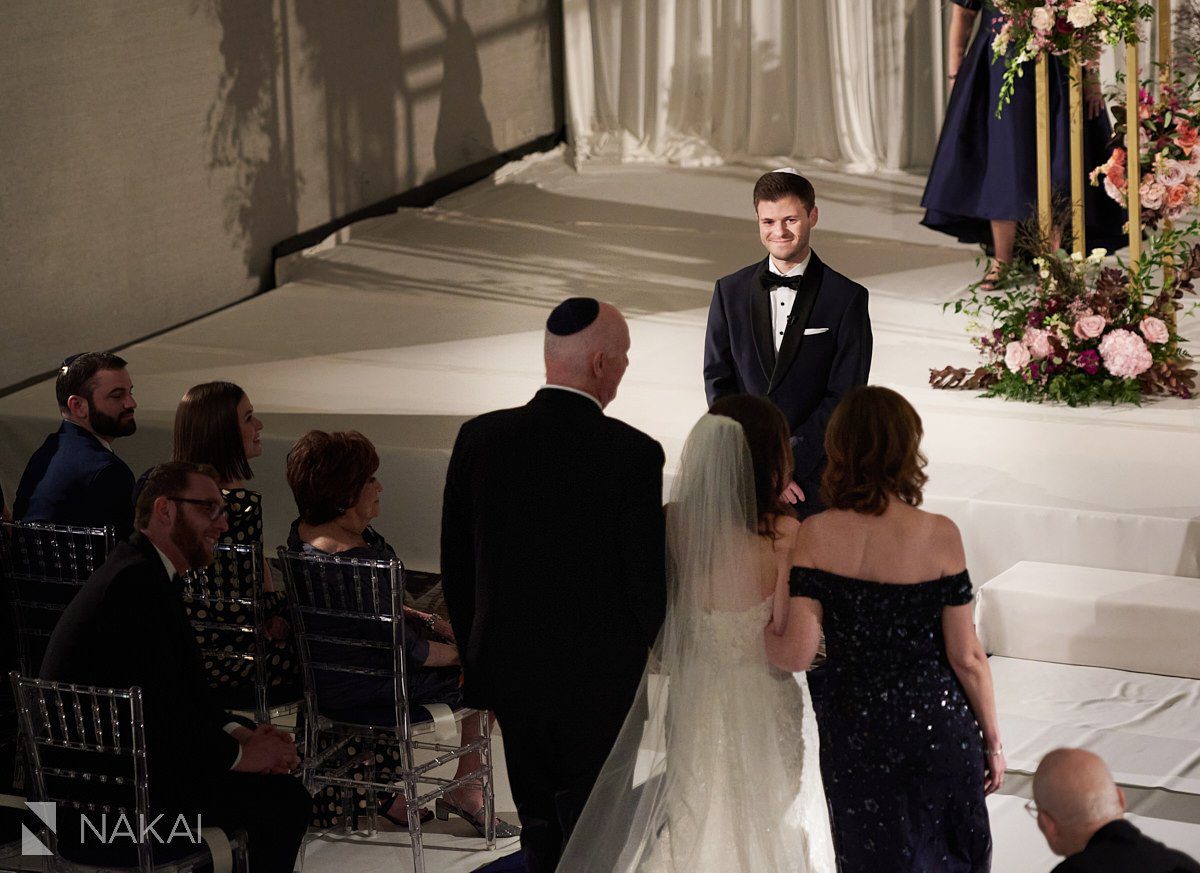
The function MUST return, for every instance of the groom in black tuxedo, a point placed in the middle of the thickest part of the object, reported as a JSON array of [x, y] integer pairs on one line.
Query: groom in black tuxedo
[[789, 328]]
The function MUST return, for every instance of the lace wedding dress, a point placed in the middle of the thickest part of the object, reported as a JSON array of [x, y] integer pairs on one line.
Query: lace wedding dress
[[717, 765], [747, 801]]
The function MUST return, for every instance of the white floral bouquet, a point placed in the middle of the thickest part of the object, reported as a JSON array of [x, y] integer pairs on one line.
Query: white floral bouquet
[[1076, 29]]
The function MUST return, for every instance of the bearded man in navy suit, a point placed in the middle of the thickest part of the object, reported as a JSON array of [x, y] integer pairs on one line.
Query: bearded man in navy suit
[[789, 328]]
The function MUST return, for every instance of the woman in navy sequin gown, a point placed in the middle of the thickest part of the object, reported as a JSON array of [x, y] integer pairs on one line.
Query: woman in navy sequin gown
[[983, 179], [909, 738]]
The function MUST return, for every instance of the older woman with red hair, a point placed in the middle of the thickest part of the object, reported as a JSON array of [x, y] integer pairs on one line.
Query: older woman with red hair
[[332, 477]]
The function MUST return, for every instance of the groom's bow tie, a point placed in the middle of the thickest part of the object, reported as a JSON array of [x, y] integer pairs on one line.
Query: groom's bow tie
[[774, 280]]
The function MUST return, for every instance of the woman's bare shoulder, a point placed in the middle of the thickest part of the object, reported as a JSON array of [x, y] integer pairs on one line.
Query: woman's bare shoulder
[[945, 543], [809, 537]]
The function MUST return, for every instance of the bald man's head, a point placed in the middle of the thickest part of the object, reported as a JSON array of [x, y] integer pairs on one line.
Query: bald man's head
[[593, 359], [1075, 791]]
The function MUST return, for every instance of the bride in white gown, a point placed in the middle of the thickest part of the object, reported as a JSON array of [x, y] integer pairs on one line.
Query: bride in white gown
[[717, 765]]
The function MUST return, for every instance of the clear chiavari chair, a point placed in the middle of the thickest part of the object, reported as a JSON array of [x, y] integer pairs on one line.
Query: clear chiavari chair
[[86, 748], [348, 617], [226, 606], [44, 566]]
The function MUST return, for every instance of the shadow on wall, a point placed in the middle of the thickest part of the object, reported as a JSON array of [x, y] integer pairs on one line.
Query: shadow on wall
[[352, 55], [249, 129], [464, 133]]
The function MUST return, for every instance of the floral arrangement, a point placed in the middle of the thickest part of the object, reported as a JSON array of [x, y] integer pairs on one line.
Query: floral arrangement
[[1074, 28], [1168, 130], [1078, 331]]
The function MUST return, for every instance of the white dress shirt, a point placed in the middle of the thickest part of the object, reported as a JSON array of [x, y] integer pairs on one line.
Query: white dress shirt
[[783, 298], [574, 391]]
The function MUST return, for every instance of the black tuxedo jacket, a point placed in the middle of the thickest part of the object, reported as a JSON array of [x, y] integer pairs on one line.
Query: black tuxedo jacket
[[72, 479], [126, 627], [810, 373], [1119, 847], [553, 553]]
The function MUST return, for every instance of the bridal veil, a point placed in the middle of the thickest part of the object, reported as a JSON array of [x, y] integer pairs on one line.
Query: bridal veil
[[715, 767]]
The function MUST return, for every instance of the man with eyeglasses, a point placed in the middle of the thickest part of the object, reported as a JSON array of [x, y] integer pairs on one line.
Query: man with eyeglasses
[[1081, 813], [75, 477], [127, 626]]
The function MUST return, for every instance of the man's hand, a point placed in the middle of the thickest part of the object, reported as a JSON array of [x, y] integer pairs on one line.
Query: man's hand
[[266, 750], [442, 628], [793, 494]]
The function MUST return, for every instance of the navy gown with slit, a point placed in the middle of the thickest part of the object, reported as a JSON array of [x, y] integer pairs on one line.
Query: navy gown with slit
[[902, 755], [985, 167]]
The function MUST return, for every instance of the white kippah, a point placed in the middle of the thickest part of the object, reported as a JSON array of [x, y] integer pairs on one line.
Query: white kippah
[[791, 170]]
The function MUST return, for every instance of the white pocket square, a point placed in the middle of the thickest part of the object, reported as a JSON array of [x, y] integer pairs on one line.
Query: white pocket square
[[809, 331]]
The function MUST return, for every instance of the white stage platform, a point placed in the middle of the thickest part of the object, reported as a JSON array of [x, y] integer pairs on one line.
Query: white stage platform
[[412, 323], [408, 325]]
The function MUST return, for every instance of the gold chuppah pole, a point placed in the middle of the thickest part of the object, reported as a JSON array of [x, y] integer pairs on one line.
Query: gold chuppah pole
[[1042, 95], [1078, 220], [1163, 14], [1133, 173]]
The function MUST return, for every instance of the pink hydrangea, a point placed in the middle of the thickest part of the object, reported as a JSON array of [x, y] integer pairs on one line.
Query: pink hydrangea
[[1037, 340], [1016, 357], [1089, 326], [1124, 354], [1154, 329]]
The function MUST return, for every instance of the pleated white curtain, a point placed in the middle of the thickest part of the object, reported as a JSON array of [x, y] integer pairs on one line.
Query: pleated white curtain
[[856, 82]]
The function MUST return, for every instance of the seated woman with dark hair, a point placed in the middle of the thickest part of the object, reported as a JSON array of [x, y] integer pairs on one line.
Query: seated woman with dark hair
[[215, 424], [332, 477]]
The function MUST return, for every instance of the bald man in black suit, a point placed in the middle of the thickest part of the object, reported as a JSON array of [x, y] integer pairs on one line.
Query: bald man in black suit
[[553, 570]]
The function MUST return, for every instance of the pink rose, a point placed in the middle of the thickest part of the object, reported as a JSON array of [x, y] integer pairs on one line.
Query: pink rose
[[1154, 329], [1193, 164], [1089, 327], [1037, 340], [1153, 193], [1016, 357], [1124, 354], [1172, 173], [1177, 196]]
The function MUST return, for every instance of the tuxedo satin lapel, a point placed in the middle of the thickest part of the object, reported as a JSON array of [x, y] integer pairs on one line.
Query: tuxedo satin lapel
[[793, 336], [760, 319]]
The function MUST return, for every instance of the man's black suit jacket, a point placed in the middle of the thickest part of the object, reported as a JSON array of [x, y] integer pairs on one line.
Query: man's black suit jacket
[[126, 627], [810, 373], [1119, 847], [553, 553], [72, 479]]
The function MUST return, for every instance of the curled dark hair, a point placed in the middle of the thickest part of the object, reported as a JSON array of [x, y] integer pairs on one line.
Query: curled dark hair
[[775, 186], [207, 430], [770, 451], [327, 472], [873, 447], [77, 375], [166, 480]]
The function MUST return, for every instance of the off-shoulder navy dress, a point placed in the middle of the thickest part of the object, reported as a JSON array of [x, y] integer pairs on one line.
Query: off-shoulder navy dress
[[986, 167], [902, 755]]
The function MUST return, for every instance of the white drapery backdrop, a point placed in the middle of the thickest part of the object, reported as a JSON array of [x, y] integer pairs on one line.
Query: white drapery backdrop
[[856, 82]]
